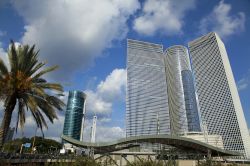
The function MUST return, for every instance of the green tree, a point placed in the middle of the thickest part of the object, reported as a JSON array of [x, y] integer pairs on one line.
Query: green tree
[[23, 84], [42, 145]]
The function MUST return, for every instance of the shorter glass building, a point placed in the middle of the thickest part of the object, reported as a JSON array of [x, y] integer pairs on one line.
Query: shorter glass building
[[74, 114]]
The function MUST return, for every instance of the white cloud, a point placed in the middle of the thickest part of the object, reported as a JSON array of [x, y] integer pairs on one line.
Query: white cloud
[[2, 33], [3, 54], [72, 33], [114, 85], [221, 21], [99, 102], [163, 16], [96, 104], [108, 91], [244, 82], [104, 133]]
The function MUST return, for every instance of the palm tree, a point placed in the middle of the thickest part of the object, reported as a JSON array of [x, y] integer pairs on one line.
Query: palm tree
[[23, 84]]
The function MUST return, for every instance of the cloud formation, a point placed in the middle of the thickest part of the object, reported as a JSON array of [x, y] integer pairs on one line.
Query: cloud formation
[[103, 133], [3, 54], [2, 33], [72, 33], [99, 102], [222, 21], [164, 16], [110, 90], [244, 83]]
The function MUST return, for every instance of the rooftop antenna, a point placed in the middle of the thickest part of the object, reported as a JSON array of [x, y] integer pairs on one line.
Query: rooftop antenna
[[83, 118], [93, 130], [92, 136]]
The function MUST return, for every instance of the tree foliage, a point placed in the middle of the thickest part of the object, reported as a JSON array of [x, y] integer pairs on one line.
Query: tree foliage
[[22, 84], [43, 145]]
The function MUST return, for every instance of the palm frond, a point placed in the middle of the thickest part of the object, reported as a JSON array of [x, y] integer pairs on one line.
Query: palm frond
[[20, 114], [39, 80], [47, 70], [54, 101], [48, 110], [38, 121], [43, 121], [37, 91], [12, 55], [36, 68], [51, 86], [31, 92], [32, 61], [22, 51], [46, 106], [31, 103], [33, 107], [3, 68]]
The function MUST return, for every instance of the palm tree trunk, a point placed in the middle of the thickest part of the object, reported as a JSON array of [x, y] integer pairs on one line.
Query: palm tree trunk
[[7, 119]]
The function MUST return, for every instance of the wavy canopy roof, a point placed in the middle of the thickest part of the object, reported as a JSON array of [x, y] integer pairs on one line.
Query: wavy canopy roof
[[183, 143]]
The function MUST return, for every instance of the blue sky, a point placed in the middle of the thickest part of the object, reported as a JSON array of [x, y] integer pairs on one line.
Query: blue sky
[[88, 40]]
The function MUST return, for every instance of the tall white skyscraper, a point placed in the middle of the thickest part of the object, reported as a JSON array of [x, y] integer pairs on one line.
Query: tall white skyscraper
[[219, 101], [183, 108], [146, 90]]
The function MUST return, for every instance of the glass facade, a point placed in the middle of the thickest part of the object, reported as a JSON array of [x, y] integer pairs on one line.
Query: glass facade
[[161, 96], [219, 101], [74, 114], [191, 104], [163, 84], [146, 90], [183, 109]]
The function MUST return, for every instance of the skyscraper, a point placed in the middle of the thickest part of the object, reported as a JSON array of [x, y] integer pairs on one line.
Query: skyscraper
[[73, 123], [146, 90], [183, 108], [220, 104]]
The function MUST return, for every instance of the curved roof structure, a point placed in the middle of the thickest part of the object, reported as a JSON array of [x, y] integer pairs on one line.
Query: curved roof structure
[[183, 143]]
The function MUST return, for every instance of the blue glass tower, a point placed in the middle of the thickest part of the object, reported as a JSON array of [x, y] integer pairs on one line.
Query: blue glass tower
[[74, 114], [192, 113]]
